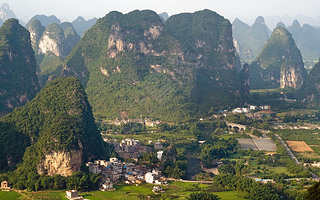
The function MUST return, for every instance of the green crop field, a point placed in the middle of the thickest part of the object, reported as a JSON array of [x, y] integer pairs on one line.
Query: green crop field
[[9, 195], [178, 189]]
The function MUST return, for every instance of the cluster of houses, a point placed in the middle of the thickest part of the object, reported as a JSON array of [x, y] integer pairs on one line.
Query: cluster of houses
[[147, 122], [314, 164], [130, 148], [114, 170], [255, 111]]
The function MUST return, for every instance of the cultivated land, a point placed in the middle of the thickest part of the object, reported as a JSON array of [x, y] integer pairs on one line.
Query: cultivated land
[[298, 146], [247, 144], [265, 144], [182, 190], [5, 195], [257, 144]]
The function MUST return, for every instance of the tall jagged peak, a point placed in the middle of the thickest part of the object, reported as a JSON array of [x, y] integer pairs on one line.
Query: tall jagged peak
[[281, 31], [45, 20], [36, 30], [296, 23], [281, 24], [279, 63], [259, 20], [18, 80], [164, 16], [5, 6], [80, 19], [6, 13]]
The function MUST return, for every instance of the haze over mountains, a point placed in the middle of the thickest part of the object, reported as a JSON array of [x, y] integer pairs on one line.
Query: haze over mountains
[[184, 71], [249, 40], [173, 50]]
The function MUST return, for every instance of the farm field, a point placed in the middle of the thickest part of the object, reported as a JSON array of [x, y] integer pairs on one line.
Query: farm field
[[247, 144], [257, 144], [299, 146], [297, 112], [264, 144], [132, 192], [310, 137], [11, 195]]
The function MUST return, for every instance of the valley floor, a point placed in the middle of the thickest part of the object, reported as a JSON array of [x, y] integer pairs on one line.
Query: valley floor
[[177, 189]]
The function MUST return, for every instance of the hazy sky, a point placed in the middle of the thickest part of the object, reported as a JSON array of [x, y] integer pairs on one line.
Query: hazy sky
[[247, 10]]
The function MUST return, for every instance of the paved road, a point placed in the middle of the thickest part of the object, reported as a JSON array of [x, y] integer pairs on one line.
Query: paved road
[[288, 150]]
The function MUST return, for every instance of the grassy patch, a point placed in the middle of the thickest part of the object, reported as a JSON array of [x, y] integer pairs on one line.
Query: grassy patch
[[265, 90], [297, 112], [229, 195], [182, 190], [11, 195]]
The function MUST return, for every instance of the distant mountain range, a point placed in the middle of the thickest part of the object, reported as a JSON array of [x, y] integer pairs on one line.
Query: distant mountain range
[[272, 21], [250, 40]]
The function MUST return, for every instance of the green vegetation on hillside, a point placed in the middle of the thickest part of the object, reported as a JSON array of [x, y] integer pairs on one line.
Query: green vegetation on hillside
[[278, 58], [18, 80], [134, 65], [58, 119]]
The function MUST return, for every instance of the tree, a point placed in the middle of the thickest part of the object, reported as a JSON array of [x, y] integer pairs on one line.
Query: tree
[[203, 196], [314, 192]]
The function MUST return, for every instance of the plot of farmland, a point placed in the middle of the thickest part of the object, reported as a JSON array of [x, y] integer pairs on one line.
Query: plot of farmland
[[299, 146], [247, 144], [257, 144], [265, 144]]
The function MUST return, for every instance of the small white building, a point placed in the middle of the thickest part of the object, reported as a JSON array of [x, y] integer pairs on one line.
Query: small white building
[[114, 160], [251, 107], [107, 186], [150, 177], [73, 195], [159, 155], [240, 110]]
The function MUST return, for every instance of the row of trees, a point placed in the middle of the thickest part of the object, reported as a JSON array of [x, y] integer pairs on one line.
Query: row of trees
[[78, 181]]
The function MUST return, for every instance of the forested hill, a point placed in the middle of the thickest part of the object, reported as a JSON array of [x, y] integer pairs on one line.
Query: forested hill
[[310, 90], [134, 65], [279, 63], [18, 79], [54, 133]]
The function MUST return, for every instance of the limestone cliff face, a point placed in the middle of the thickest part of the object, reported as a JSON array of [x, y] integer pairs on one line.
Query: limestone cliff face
[[291, 77], [52, 41], [63, 163], [61, 133], [36, 30]]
